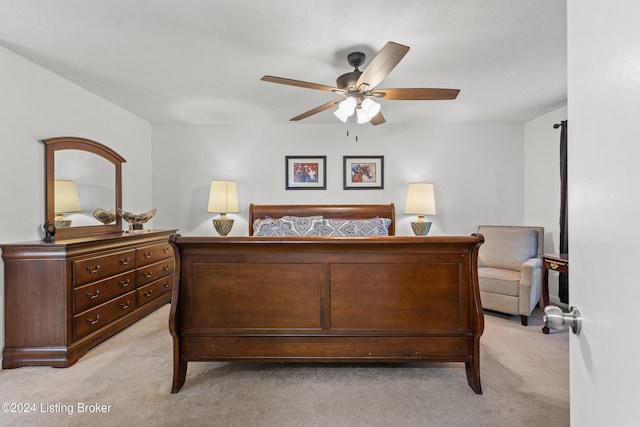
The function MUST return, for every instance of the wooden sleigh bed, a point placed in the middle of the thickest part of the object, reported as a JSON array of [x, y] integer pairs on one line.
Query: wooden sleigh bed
[[326, 299]]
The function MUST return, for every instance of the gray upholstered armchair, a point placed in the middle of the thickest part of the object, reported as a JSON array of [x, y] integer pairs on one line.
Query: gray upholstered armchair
[[510, 269]]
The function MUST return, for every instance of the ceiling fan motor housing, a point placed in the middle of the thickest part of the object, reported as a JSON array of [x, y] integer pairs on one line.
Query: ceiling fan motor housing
[[348, 80]]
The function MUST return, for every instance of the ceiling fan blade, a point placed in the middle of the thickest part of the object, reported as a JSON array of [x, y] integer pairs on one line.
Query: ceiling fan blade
[[382, 64], [316, 110], [378, 119], [416, 94], [299, 83]]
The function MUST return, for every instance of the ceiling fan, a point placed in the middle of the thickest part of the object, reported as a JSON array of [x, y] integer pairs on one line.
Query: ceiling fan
[[359, 88]]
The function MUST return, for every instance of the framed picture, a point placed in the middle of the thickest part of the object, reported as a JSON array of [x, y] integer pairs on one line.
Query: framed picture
[[306, 172], [363, 173]]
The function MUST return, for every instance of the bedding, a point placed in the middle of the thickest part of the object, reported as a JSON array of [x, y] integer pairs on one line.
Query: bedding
[[319, 226], [316, 213]]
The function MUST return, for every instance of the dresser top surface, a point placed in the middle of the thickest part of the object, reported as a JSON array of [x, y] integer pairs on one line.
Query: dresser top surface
[[80, 244]]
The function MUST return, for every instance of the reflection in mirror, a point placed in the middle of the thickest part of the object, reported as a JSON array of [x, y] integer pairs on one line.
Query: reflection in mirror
[[67, 201], [94, 179], [96, 172]]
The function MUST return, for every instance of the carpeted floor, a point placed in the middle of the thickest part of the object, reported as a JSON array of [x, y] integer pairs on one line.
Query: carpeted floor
[[525, 380]]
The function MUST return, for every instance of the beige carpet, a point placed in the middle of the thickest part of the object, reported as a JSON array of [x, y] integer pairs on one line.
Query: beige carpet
[[524, 373]]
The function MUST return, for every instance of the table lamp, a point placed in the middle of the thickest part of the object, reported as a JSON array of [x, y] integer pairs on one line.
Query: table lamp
[[223, 198], [421, 201]]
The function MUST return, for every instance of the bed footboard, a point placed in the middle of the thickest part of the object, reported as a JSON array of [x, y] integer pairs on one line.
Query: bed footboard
[[391, 299]]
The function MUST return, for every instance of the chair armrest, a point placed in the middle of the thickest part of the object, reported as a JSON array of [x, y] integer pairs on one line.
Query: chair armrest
[[530, 285], [531, 263]]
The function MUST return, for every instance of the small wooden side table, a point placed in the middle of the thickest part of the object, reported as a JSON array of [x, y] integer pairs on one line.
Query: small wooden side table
[[556, 262]]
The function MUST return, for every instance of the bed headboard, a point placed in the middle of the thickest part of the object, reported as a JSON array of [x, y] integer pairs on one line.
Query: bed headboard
[[327, 211]]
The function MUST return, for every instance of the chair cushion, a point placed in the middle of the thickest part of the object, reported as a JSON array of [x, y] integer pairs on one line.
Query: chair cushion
[[499, 281], [507, 247]]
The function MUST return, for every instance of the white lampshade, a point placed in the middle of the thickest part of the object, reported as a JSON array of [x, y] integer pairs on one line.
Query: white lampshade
[[370, 107], [66, 197], [223, 197], [339, 114], [362, 116], [367, 110], [348, 106], [421, 199]]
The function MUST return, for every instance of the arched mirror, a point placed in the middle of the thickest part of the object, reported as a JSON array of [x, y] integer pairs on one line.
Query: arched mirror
[[83, 187]]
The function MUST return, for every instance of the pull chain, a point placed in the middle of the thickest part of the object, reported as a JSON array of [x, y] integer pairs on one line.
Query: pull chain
[[356, 136]]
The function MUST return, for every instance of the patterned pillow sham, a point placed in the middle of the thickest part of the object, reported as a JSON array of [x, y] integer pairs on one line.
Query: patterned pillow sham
[[285, 226], [351, 227]]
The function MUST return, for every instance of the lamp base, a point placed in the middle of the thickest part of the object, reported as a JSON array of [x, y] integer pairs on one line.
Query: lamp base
[[223, 225], [421, 228], [61, 222]]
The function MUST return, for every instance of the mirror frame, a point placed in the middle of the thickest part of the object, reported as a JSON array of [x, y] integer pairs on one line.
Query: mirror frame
[[74, 143]]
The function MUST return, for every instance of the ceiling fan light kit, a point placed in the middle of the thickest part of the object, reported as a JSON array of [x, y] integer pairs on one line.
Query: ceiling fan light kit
[[348, 106], [360, 86]]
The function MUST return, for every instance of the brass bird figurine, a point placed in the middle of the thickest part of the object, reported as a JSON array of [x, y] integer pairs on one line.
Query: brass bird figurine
[[136, 221], [105, 217]]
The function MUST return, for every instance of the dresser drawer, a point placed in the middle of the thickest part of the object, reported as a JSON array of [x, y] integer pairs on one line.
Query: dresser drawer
[[100, 316], [100, 267], [96, 293], [150, 254], [155, 289], [149, 273]]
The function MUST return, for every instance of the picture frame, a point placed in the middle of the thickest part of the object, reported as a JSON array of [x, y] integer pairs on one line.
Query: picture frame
[[305, 172], [363, 172]]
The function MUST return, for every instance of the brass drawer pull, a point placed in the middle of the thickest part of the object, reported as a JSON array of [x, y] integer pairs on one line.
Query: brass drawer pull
[[124, 283], [166, 268], [147, 255], [166, 284], [93, 322], [553, 265], [124, 261], [94, 269], [166, 250], [124, 305], [148, 274], [93, 296], [148, 293]]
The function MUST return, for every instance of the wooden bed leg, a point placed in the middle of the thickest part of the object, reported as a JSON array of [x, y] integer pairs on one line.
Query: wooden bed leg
[[473, 375], [179, 375]]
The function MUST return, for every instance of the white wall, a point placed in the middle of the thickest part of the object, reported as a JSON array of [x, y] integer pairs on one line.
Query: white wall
[[477, 170], [37, 104], [542, 182]]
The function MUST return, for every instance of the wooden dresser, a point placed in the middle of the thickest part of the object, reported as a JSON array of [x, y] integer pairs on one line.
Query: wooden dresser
[[65, 297]]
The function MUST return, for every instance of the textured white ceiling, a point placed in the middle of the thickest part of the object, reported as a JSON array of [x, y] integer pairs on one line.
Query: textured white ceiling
[[200, 61]]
